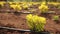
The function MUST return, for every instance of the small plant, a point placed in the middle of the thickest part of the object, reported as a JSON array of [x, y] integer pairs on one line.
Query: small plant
[[25, 6], [55, 17], [54, 3], [58, 6], [16, 6], [2, 3], [36, 23], [43, 8]]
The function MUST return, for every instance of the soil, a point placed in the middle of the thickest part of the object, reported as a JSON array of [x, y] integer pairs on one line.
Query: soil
[[19, 21], [13, 21]]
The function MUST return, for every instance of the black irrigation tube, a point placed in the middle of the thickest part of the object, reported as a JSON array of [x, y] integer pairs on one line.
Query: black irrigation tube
[[15, 29], [13, 11]]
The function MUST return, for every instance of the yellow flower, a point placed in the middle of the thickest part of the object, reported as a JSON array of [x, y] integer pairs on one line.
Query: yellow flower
[[35, 18], [16, 6], [25, 6], [13, 6], [17, 3], [42, 20], [43, 3], [36, 21], [2, 3], [19, 7], [29, 16], [10, 2], [43, 7], [54, 3]]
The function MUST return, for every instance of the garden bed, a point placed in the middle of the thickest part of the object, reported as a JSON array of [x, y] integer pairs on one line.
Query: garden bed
[[17, 20], [13, 21]]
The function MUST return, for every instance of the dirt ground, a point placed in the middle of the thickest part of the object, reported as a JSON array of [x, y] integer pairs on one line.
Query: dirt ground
[[12, 20], [19, 21]]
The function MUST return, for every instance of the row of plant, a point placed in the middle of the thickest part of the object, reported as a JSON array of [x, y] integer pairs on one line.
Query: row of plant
[[37, 23], [19, 5], [43, 8], [27, 5]]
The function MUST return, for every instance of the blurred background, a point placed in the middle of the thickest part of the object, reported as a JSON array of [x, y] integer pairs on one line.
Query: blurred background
[[31, 0]]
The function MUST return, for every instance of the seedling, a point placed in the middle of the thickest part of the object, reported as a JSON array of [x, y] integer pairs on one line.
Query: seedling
[[43, 8], [36, 23], [56, 19]]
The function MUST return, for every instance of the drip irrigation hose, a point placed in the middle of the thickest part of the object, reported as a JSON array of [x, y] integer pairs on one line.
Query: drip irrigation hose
[[15, 29], [12, 11]]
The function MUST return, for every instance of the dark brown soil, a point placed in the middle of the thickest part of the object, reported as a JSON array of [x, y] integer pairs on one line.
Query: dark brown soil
[[19, 21], [16, 21], [13, 21]]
